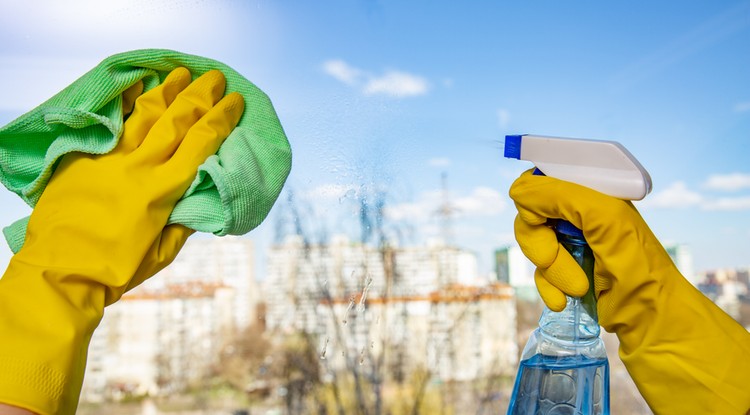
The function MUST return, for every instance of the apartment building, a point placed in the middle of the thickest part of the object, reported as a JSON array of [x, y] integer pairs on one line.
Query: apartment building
[[165, 334], [408, 308]]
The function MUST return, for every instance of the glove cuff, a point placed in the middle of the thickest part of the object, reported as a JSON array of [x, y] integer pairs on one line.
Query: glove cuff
[[42, 364], [691, 358], [26, 384]]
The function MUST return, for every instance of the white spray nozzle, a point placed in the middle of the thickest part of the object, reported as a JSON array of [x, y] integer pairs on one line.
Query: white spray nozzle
[[605, 166]]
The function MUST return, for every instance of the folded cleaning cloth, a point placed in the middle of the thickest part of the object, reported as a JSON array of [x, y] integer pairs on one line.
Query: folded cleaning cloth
[[233, 191]]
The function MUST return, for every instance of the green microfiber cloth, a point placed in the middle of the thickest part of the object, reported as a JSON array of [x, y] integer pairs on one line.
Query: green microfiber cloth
[[233, 191]]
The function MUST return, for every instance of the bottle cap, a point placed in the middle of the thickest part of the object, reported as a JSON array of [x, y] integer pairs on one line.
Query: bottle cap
[[513, 146], [605, 166], [566, 228]]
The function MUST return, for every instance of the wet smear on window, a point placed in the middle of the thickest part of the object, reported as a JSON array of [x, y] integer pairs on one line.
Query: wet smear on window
[[352, 300], [363, 298], [324, 351]]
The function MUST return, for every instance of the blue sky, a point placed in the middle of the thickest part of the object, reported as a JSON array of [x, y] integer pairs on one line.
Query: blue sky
[[391, 94]]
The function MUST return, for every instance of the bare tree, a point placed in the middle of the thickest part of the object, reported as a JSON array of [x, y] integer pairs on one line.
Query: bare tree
[[368, 366], [243, 359]]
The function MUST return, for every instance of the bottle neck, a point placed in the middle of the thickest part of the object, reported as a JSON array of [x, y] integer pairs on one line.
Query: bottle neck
[[578, 321], [573, 324], [579, 249]]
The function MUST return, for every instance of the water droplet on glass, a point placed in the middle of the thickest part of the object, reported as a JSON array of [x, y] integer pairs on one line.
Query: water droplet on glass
[[352, 299], [350, 194], [361, 305], [325, 349]]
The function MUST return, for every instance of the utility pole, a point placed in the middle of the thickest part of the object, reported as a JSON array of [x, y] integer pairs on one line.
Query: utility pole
[[446, 211]]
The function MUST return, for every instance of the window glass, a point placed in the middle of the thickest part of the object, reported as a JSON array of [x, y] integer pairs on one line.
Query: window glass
[[387, 279]]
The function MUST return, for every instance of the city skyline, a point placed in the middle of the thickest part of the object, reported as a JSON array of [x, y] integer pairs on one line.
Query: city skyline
[[418, 309], [166, 324], [386, 96]]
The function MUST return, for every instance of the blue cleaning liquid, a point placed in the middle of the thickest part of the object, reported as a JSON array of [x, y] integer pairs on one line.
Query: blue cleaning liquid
[[571, 385]]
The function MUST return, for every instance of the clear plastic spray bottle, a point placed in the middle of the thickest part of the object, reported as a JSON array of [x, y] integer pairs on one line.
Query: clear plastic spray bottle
[[564, 368]]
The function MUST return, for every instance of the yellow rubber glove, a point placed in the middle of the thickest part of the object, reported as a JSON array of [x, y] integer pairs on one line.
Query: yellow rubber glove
[[684, 353], [98, 230], [173, 237]]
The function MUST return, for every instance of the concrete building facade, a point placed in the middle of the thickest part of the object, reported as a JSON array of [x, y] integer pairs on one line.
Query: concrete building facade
[[408, 308], [165, 334]]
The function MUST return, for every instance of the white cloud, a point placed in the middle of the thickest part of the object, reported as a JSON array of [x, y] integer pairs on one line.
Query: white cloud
[[329, 192], [742, 106], [420, 210], [676, 195], [728, 182], [397, 84], [409, 211], [503, 118], [439, 162], [342, 71], [728, 204], [482, 201]]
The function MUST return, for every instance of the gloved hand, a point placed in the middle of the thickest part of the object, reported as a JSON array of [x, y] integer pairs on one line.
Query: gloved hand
[[98, 230], [173, 237], [683, 352]]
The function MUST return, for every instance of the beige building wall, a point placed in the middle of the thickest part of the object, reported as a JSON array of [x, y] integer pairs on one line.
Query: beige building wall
[[158, 341], [408, 308]]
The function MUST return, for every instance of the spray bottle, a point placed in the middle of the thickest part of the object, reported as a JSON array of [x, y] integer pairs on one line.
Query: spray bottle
[[564, 367]]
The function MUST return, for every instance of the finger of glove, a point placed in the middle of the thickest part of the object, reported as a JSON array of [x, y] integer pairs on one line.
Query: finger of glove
[[593, 212], [161, 253], [129, 96], [538, 242], [566, 275], [539, 197], [527, 215], [603, 279], [190, 106], [207, 135], [553, 298], [149, 107]]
